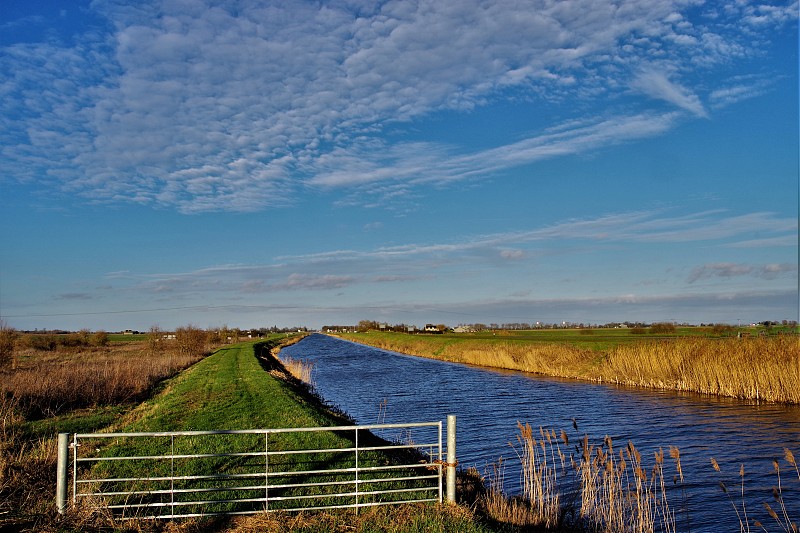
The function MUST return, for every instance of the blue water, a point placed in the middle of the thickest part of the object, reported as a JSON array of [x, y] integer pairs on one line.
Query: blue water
[[377, 386]]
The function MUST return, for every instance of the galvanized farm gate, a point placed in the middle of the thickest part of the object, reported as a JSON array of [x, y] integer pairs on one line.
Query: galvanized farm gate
[[203, 473]]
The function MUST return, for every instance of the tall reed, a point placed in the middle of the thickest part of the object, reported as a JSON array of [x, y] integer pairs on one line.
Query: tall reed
[[780, 513], [301, 370], [766, 368], [602, 489]]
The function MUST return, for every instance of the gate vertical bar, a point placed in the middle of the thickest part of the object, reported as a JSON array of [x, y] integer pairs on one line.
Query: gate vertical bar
[[266, 471], [172, 475], [356, 470], [441, 472], [61, 472], [74, 469], [451, 458]]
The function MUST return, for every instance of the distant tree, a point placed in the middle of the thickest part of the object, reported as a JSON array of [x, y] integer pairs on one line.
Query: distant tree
[[190, 340], [155, 340], [366, 325]]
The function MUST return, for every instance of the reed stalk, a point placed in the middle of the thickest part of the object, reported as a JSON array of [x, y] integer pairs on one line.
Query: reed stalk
[[616, 491], [301, 370]]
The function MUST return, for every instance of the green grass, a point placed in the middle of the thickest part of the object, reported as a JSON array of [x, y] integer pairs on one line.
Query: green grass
[[230, 390], [227, 390], [597, 339]]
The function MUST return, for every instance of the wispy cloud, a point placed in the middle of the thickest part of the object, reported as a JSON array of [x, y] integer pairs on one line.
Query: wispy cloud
[[731, 270], [417, 163], [656, 84], [202, 107], [739, 89], [426, 261]]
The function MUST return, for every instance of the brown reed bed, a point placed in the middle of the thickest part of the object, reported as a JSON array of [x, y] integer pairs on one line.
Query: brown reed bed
[[301, 370], [761, 368], [750, 368], [588, 487]]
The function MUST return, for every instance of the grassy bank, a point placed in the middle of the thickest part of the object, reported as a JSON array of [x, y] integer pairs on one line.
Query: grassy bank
[[231, 389], [762, 368]]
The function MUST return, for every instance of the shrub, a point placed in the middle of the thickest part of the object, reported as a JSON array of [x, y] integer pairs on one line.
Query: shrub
[[662, 327], [100, 338], [43, 342], [8, 337], [191, 340]]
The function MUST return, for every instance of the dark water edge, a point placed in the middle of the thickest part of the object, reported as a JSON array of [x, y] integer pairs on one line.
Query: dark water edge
[[374, 385]]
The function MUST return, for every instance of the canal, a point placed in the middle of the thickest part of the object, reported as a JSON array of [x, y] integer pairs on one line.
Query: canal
[[377, 386]]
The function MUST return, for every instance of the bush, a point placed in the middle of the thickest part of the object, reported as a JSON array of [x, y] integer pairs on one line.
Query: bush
[[191, 340], [43, 342], [662, 327], [8, 337], [100, 338]]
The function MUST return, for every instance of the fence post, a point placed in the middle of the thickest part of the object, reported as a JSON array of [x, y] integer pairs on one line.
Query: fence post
[[61, 472], [451, 458]]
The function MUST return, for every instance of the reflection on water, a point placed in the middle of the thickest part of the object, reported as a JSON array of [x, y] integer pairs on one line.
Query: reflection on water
[[379, 386]]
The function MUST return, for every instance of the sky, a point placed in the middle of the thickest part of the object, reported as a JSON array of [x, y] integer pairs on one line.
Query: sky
[[295, 163]]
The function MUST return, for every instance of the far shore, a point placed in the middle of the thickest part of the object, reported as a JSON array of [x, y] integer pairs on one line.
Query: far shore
[[763, 368]]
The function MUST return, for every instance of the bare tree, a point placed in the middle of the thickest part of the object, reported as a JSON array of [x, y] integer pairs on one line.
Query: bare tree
[[191, 340], [155, 340]]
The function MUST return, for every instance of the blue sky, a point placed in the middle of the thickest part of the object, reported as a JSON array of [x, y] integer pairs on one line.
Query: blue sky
[[450, 161]]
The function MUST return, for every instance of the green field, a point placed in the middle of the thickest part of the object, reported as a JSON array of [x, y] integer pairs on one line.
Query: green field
[[598, 339]]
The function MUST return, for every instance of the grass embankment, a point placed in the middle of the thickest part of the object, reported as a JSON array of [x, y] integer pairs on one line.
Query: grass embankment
[[762, 368], [228, 390]]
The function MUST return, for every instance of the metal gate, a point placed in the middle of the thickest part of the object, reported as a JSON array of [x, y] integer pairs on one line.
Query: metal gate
[[201, 473]]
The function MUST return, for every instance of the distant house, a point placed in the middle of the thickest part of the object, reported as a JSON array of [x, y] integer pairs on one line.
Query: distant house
[[463, 329], [432, 328]]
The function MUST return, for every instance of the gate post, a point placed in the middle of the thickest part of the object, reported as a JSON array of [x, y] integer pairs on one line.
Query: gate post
[[61, 472], [451, 458]]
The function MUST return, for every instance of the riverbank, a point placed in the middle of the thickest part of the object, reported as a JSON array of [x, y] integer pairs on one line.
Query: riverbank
[[753, 368], [237, 387]]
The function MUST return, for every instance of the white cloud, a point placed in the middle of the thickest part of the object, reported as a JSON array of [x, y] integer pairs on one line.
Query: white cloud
[[414, 163], [740, 88], [209, 107], [656, 84]]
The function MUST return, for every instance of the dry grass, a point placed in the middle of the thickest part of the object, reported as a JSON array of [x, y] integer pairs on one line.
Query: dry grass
[[48, 384], [55, 382], [766, 368]]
